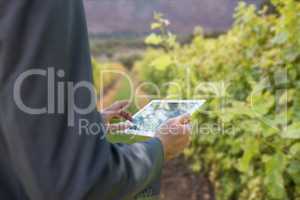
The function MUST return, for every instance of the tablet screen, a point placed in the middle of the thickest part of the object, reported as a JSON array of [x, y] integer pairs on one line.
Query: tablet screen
[[147, 120]]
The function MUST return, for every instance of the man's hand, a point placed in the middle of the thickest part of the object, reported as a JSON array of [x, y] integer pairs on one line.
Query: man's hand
[[175, 135], [117, 110]]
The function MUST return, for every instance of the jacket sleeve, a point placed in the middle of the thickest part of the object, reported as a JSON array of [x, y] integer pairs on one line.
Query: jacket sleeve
[[52, 161]]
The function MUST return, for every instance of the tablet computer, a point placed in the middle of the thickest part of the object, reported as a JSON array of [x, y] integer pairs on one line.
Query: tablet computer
[[147, 120]]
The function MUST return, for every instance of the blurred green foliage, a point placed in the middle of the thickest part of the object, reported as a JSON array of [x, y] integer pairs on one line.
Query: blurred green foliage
[[251, 79], [105, 75]]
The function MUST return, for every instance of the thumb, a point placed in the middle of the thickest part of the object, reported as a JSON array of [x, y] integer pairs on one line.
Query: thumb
[[123, 104], [184, 119]]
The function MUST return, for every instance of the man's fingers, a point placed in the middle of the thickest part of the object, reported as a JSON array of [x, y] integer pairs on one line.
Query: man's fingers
[[118, 106], [125, 115], [181, 129], [117, 110], [176, 129], [122, 104], [186, 129], [182, 119], [185, 119]]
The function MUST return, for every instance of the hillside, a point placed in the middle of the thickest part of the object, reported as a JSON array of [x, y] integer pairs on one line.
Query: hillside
[[134, 16]]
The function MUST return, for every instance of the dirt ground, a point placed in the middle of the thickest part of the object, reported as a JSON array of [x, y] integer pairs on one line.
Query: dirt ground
[[180, 183]]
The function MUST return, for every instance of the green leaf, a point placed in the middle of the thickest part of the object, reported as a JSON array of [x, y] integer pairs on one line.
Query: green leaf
[[291, 54], [196, 166], [280, 38], [162, 62], [171, 40], [294, 171], [251, 148], [292, 131], [155, 26], [153, 39], [274, 167], [261, 103], [295, 149]]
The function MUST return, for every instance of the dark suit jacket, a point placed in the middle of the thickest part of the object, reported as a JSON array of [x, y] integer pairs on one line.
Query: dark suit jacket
[[41, 156]]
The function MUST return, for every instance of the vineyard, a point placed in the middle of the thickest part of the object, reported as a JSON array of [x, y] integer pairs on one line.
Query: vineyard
[[247, 136], [246, 139]]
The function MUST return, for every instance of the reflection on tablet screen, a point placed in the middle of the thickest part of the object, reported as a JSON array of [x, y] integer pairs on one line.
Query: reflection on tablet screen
[[157, 112]]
